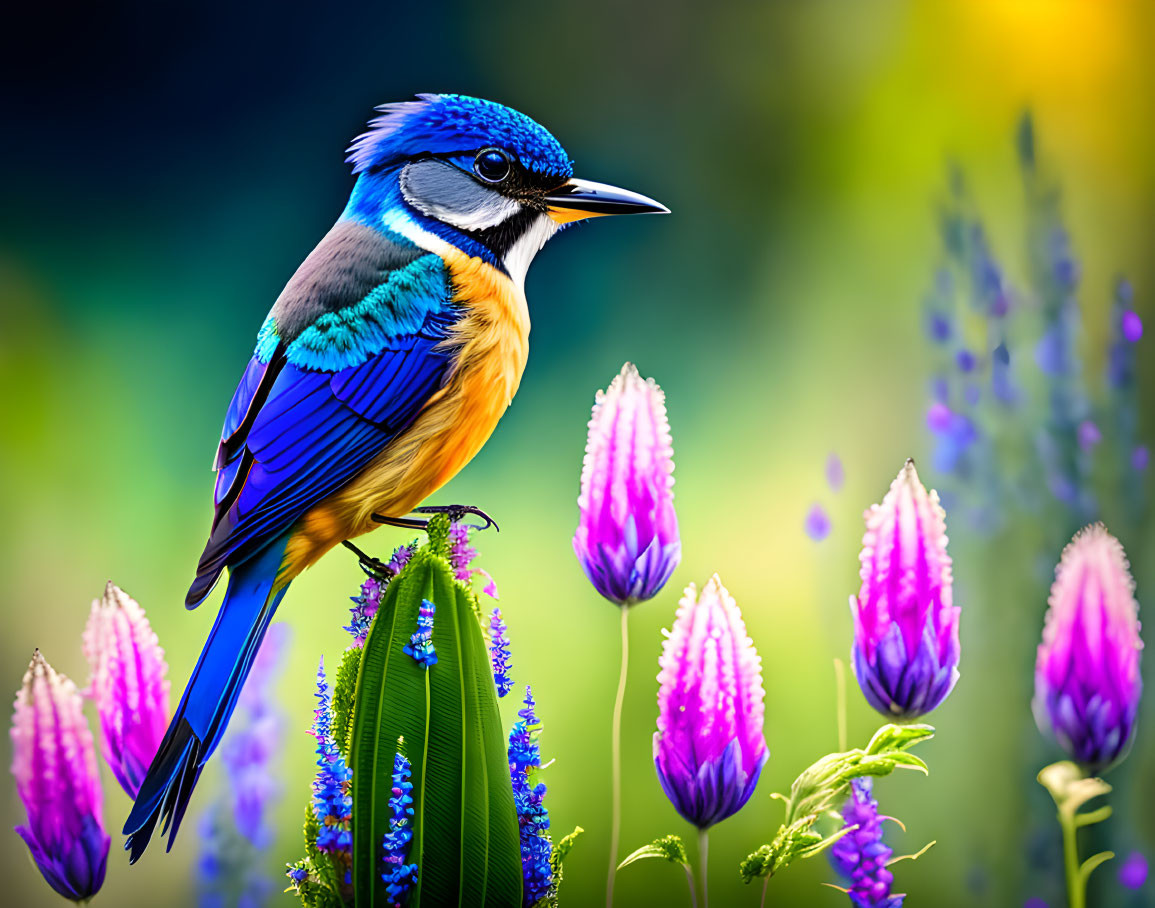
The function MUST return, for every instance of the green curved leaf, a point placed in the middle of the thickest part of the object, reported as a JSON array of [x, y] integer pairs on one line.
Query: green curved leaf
[[465, 836], [669, 847]]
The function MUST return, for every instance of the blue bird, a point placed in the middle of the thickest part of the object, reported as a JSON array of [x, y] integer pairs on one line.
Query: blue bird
[[381, 370]]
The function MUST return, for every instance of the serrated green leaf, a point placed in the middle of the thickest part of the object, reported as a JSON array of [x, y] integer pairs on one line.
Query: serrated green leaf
[[669, 847], [344, 692], [465, 837]]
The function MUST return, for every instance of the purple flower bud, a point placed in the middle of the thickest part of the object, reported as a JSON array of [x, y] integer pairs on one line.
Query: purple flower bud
[[709, 748], [1088, 435], [1140, 457], [1131, 326], [906, 647], [627, 537], [54, 764], [127, 681], [1087, 682]]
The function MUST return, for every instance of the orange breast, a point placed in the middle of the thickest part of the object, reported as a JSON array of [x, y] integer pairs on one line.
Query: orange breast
[[493, 343]]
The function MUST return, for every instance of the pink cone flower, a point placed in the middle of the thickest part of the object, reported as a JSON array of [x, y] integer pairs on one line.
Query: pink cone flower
[[709, 748], [906, 647], [1087, 681], [54, 764], [127, 682], [627, 538]]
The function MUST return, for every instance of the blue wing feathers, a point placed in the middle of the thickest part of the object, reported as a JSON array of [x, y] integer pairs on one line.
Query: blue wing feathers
[[295, 435]]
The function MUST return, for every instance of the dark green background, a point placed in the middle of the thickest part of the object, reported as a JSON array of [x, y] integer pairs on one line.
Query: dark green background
[[166, 169]]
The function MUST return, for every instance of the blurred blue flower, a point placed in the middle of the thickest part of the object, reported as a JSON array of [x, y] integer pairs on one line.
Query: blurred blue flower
[[817, 523], [528, 799], [1133, 871]]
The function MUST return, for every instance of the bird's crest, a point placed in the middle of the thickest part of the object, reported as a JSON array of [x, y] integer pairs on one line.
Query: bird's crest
[[445, 124]]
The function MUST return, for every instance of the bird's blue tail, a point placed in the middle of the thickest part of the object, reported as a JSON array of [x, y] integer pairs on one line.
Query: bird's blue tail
[[208, 701]]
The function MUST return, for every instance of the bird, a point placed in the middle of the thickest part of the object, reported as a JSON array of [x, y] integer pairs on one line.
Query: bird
[[381, 370]]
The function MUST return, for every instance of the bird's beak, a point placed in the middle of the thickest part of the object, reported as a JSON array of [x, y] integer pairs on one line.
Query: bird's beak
[[577, 199]]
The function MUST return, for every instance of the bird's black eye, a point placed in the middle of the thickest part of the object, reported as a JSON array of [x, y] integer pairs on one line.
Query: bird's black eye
[[492, 165]]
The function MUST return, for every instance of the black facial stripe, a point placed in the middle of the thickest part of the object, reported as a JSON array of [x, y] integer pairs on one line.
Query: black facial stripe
[[500, 239]]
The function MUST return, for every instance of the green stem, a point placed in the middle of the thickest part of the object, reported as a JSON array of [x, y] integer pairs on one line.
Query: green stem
[[616, 749], [840, 701], [765, 886], [703, 855], [690, 883], [1076, 882]]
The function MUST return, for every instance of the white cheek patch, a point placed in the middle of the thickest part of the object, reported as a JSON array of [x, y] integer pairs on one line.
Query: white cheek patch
[[529, 244], [441, 191]]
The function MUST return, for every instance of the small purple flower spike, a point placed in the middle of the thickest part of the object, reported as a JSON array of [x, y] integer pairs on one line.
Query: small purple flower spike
[[817, 523], [499, 652], [54, 764], [709, 748], [1133, 871], [860, 856], [1087, 681], [627, 538], [906, 647], [127, 682], [399, 877], [420, 645]]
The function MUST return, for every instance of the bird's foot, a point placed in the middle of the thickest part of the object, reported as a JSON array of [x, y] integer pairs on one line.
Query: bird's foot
[[455, 512], [458, 512], [374, 567]]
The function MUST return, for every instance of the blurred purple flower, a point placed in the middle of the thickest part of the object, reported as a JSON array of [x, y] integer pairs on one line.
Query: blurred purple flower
[[54, 765], [1088, 434], [627, 538], [1133, 871], [1132, 326], [1087, 681], [966, 360], [254, 740], [709, 748], [906, 647], [835, 475], [860, 856], [817, 523], [127, 682], [1140, 457]]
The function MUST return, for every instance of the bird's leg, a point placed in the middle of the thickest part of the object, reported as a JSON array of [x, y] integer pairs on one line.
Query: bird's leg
[[374, 567], [455, 513]]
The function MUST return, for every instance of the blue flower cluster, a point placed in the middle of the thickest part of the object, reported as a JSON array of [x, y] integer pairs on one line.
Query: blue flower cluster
[[365, 604], [499, 652], [532, 816], [420, 645], [399, 876], [332, 803], [861, 856]]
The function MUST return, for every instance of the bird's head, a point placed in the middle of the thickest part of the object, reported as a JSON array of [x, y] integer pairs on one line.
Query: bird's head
[[476, 175]]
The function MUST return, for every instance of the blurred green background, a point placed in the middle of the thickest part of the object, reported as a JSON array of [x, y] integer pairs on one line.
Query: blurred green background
[[166, 169]]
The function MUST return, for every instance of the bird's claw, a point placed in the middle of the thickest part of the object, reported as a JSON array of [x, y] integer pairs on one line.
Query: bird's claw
[[457, 512], [373, 567]]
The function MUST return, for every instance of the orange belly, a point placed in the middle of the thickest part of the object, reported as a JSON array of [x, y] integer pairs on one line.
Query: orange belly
[[493, 344]]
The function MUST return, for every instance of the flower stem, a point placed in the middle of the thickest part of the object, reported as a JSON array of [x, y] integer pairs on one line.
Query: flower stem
[[616, 747], [690, 883], [703, 853], [1076, 881], [840, 704], [765, 886]]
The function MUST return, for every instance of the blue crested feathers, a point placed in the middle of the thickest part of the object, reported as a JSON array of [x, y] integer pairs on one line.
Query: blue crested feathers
[[445, 124]]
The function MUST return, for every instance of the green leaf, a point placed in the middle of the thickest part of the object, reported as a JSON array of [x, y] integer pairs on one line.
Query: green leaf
[[1070, 787], [557, 858], [821, 786], [669, 847], [1088, 866], [913, 857], [465, 835], [344, 692]]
